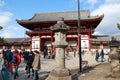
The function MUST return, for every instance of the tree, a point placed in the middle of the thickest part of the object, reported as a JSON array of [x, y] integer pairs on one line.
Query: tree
[[2, 40], [118, 25], [1, 27]]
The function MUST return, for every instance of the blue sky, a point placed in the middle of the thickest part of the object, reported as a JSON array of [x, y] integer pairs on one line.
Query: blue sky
[[10, 10]]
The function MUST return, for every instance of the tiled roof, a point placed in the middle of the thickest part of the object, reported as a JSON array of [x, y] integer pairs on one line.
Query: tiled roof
[[97, 38], [9, 40], [106, 38], [68, 15]]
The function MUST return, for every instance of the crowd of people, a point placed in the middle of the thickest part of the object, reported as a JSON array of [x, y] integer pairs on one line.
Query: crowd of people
[[11, 59], [100, 55], [48, 53]]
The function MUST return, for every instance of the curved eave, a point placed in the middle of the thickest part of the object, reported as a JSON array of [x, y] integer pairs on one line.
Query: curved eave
[[43, 32], [86, 21], [93, 18]]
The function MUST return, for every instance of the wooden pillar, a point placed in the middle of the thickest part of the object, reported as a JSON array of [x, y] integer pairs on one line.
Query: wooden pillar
[[22, 47], [30, 43], [52, 41], [101, 45], [40, 41], [12, 47], [89, 41], [4, 47], [78, 43], [67, 47]]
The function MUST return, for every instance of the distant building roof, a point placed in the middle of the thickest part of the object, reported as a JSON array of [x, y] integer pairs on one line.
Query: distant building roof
[[11, 40], [105, 38], [94, 38]]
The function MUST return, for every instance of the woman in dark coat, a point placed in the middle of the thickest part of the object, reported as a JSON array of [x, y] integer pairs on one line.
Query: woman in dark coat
[[29, 64], [102, 55], [97, 55]]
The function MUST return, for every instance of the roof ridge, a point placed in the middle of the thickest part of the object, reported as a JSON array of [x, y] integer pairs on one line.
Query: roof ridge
[[62, 12]]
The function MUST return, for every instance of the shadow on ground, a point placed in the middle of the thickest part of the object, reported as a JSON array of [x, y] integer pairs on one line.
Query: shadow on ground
[[75, 76], [85, 70]]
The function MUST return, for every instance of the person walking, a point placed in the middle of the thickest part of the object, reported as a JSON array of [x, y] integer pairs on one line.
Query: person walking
[[16, 62], [29, 64], [36, 64], [74, 52], [25, 55], [102, 55], [97, 55], [7, 67], [1, 65], [44, 53]]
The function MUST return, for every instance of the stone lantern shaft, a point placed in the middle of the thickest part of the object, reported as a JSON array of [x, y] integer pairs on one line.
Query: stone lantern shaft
[[60, 58], [60, 72]]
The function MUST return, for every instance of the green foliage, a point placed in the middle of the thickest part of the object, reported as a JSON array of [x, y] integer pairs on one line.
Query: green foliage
[[1, 27], [2, 41]]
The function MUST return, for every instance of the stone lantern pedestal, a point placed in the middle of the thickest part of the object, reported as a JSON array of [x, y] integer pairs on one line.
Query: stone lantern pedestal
[[115, 58], [60, 72]]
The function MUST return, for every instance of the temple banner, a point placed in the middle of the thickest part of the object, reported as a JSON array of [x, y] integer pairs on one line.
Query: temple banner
[[85, 42], [35, 43]]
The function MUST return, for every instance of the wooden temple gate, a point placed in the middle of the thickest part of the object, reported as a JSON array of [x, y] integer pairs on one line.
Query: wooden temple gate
[[41, 37]]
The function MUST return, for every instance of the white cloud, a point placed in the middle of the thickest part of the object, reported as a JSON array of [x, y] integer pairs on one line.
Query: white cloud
[[111, 12], [6, 35], [112, 1], [91, 3], [5, 17], [13, 31], [9, 30], [2, 3]]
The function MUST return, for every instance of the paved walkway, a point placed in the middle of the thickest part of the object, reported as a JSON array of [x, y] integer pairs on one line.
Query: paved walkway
[[98, 72], [49, 64]]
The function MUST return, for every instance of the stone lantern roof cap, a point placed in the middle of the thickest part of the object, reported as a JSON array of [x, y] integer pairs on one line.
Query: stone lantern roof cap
[[60, 26]]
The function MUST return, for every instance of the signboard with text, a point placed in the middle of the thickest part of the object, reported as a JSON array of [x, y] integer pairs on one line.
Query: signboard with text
[[35, 43]]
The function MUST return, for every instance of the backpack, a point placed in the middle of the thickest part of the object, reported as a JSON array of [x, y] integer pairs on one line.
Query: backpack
[[13, 59], [16, 58]]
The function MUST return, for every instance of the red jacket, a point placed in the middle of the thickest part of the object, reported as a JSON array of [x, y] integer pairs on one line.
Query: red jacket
[[18, 58], [10, 67]]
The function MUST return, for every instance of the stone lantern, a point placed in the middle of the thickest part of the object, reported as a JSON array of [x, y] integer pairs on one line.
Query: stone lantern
[[60, 72], [115, 57]]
